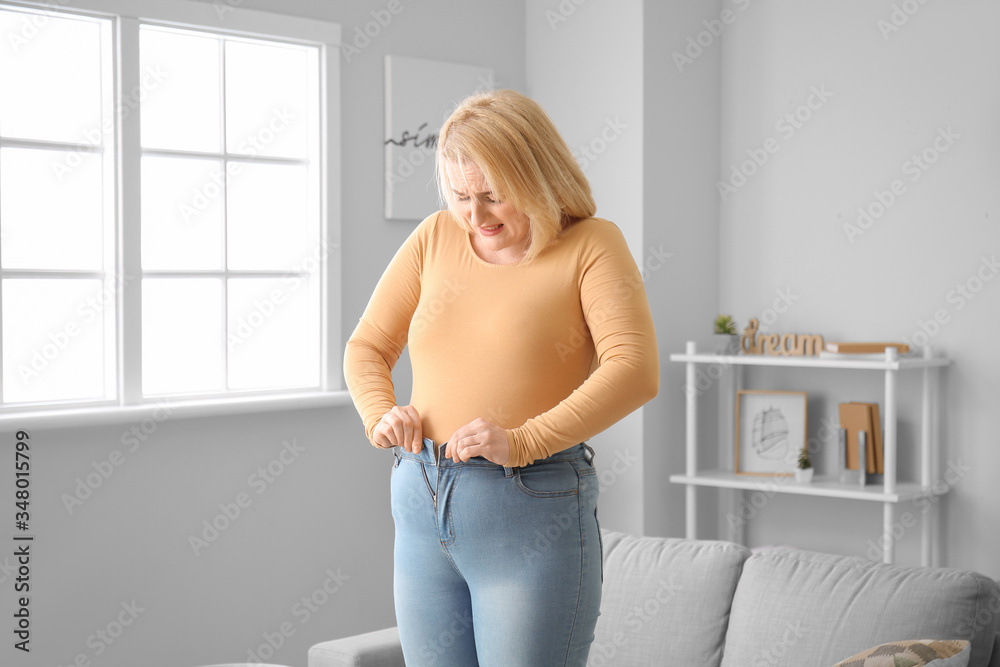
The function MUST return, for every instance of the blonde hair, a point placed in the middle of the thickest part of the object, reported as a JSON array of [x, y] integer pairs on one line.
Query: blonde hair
[[524, 159]]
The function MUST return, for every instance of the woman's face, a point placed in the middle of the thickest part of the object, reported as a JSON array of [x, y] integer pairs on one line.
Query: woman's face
[[499, 231]]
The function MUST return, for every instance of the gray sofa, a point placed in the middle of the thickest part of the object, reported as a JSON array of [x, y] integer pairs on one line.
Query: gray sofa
[[714, 604]]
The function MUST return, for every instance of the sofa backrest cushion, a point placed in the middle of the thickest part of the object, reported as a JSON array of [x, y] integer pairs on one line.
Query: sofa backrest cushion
[[664, 601], [803, 608]]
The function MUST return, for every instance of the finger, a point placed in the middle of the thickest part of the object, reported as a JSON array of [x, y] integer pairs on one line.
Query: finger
[[379, 437], [408, 434], [471, 451], [454, 448], [398, 434], [418, 431], [450, 445]]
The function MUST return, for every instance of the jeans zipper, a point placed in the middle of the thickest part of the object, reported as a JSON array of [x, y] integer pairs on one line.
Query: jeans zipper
[[428, 483]]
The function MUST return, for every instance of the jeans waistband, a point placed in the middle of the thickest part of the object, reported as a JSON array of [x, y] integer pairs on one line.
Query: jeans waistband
[[434, 454]]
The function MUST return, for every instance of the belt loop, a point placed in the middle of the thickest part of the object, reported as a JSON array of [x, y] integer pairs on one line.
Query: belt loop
[[395, 454], [508, 471], [590, 451]]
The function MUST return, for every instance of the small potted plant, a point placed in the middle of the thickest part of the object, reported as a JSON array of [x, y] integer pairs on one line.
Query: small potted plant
[[726, 340], [804, 471]]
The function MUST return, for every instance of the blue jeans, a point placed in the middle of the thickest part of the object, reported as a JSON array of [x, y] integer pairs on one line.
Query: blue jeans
[[496, 566]]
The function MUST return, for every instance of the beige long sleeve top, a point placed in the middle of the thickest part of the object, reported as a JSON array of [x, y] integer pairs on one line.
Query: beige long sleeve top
[[554, 351]]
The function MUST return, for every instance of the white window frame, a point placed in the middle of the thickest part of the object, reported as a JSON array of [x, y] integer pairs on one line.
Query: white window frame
[[224, 17]]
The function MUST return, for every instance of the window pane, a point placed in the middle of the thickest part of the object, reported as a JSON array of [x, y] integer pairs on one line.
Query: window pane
[[182, 213], [180, 78], [182, 335], [266, 108], [50, 75], [269, 225], [273, 336], [50, 209], [56, 351]]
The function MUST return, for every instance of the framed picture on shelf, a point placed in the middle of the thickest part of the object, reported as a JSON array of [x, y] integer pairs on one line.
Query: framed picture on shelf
[[770, 431]]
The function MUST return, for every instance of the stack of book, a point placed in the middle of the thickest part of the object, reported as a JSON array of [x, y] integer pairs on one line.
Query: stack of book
[[863, 417], [861, 350]]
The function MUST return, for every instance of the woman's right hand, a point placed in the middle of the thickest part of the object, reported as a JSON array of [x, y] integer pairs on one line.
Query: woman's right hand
[[400, 427]]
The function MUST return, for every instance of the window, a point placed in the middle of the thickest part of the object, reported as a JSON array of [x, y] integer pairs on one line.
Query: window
[[57, 226], [167, 205]]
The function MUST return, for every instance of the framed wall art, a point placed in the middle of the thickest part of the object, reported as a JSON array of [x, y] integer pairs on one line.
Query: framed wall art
[[771, 430], [419, 97]]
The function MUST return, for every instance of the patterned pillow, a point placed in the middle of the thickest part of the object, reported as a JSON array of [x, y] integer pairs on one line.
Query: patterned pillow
[[913, 653]]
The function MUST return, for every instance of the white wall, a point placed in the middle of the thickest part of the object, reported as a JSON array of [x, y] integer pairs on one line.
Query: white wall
[[594, 65], [585, 67], [681, 210], [328, 509], [892, 92]]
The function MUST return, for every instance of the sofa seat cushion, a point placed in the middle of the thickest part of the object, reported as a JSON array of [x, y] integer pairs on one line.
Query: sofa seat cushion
[[664, 601], [372, 649], [803, 608]]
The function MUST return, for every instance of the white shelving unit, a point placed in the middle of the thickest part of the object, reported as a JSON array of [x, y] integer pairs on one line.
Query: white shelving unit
[[888, 493]]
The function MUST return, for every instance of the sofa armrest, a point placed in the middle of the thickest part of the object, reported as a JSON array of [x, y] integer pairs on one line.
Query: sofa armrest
[[995, 656], [372, 649]]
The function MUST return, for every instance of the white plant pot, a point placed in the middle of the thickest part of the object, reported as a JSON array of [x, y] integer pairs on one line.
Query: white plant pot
[[726, 343], [803, 476]]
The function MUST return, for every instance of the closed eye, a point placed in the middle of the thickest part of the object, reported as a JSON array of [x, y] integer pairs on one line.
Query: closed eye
[[461, 197]]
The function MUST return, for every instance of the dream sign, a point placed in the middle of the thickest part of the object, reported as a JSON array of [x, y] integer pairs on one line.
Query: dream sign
[[787, 345]]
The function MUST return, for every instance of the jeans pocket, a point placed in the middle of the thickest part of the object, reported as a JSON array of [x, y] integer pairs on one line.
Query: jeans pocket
[[548, 480]]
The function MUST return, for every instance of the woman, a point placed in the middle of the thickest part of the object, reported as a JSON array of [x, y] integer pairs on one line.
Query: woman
[[529, 332]]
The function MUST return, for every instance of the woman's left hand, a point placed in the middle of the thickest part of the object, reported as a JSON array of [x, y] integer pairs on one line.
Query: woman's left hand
[[479, 438]]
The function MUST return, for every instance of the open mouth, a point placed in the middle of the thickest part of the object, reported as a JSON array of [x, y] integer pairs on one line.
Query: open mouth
[[490, 231]]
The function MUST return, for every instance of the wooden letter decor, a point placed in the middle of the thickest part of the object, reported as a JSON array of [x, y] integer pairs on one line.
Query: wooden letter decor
[[786, 345]]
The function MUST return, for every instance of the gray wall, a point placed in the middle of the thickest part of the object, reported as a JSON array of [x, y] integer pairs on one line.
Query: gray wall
[[328, 510], [682, 109], [893, 91], [594, 96]]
